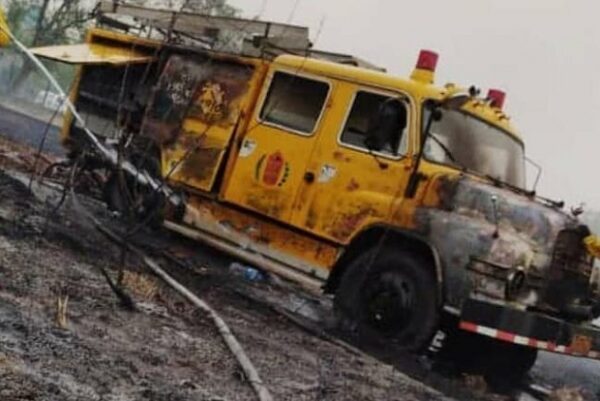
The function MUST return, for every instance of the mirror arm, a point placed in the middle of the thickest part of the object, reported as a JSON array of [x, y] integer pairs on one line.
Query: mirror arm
[[538, 175], [415, 175]]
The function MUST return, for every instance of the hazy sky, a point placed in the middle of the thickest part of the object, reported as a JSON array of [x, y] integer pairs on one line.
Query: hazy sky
[[544, 53]]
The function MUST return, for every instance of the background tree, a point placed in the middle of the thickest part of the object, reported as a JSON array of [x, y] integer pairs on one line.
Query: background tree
[[211, 7], [51, 22], [47, 22]]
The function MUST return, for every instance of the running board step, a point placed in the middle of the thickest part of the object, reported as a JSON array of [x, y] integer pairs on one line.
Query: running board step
[[309, 283]]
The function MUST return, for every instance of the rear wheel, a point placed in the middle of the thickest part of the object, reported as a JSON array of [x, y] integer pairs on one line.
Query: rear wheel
[[133, 200], [500, 362], [389, 298], [509, 362]]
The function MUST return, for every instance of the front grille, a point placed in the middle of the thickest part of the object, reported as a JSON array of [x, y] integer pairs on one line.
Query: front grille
[[570, 253], [570, 271]]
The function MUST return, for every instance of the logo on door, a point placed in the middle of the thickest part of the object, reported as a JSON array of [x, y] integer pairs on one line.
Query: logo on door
[[272, 170]]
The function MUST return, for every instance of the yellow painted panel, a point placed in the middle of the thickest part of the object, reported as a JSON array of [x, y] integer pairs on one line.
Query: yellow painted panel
[[275, 241], [253, 186], [200, 122], [4, 39], [93, 53], [271, 163], [199, 168], [353, 189]]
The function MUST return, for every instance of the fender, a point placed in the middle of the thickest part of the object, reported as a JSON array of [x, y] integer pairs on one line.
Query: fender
[[385, 235]]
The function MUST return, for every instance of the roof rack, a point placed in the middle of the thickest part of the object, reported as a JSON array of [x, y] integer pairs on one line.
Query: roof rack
[[248, 37], [207, 27]]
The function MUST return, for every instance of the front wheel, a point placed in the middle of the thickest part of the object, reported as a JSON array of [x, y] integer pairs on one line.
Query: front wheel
[[389, 297]]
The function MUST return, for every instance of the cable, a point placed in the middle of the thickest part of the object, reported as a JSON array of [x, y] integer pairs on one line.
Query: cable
[[42, 143]]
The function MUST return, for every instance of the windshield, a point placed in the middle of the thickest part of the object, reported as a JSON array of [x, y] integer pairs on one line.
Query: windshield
[[464, 141]]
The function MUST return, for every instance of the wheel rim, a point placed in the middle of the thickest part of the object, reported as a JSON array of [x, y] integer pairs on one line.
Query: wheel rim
[[389, 303]]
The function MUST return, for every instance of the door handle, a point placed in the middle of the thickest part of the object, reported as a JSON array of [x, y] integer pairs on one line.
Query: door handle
[[309, 177]]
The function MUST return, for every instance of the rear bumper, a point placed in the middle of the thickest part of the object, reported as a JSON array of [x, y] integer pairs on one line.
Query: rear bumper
[[530, 329]]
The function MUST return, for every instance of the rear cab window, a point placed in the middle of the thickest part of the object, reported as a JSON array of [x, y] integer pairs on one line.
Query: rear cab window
[[294, 103]]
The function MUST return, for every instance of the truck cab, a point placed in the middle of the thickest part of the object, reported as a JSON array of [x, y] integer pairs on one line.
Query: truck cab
[[403, 199]]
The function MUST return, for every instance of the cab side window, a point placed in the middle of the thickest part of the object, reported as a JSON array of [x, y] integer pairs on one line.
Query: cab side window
[[294, 102], [377, 123]]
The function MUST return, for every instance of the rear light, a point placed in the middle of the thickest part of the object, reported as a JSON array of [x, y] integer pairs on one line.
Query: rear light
[[496, 98]]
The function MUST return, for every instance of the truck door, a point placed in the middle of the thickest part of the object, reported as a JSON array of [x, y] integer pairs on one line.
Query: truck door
[[356, 185], [195, 109], [274, 153]]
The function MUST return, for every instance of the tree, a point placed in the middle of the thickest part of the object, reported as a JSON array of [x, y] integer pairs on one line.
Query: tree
[[211, 7], [47, 22], [50, 22]]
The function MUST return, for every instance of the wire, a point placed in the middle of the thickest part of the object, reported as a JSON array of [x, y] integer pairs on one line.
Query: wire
[[42, 143]]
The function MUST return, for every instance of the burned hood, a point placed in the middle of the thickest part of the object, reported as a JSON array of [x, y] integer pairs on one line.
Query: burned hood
[[506, 209], [483, 232], [470, 222]]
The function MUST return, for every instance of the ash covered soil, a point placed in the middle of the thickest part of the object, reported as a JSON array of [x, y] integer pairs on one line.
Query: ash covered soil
[[165, 350]]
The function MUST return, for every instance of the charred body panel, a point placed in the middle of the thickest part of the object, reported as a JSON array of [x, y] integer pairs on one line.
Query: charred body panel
[[503, 246], [195, 109], [112, 99]]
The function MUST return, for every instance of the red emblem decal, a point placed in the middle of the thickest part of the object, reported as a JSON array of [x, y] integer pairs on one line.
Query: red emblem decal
[[273, 169]]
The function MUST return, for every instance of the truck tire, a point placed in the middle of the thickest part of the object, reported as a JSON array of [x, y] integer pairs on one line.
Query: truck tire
[[132, 200], [389, 298], [501, 363], [508, 363]]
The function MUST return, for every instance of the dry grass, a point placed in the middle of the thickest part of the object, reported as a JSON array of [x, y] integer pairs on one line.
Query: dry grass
[[6, 365], [61, 311], [142, 286], [566, 394], [476, 383]]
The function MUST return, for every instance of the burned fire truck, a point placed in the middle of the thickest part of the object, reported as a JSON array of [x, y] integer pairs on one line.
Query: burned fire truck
[[404, 199]]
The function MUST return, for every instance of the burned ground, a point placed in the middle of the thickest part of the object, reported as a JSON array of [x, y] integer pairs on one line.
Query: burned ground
[[165, 350]]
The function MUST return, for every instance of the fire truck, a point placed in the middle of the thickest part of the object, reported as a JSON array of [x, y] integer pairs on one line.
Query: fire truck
[[404, 199]]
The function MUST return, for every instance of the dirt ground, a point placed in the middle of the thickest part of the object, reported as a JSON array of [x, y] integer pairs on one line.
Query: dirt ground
[[165, 350]]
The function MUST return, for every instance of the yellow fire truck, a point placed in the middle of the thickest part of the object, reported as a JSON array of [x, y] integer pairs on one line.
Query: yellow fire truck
[[404, 199]]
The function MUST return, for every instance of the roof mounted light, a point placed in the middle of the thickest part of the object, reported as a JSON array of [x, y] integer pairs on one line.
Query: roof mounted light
[[496, 98], [425, 68], [427, 60]]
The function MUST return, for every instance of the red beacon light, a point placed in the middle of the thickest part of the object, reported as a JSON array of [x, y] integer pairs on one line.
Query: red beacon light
[[427, 60], [425, 68], [496, 98]]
